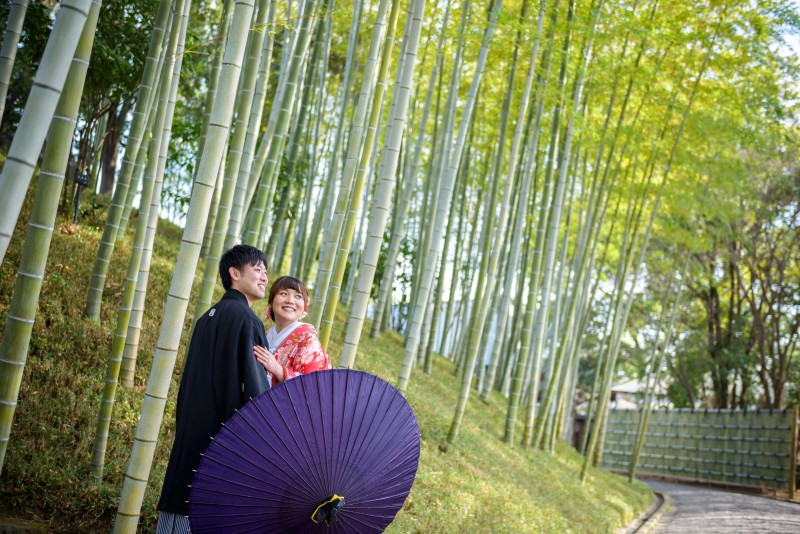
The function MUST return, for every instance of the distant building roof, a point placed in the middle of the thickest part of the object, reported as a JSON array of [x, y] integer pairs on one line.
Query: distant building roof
[[631, 386]]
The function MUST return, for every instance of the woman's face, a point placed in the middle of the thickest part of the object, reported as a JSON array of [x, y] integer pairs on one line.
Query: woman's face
[[287, 306]]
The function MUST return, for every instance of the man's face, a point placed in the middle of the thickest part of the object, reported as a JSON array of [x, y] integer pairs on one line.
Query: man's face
[[251, 281]]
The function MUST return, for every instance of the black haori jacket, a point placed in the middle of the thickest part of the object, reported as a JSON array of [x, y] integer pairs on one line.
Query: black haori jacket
[[221, 374]]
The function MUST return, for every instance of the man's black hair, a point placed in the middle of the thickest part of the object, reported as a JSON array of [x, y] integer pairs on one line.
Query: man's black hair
[[238, 257]]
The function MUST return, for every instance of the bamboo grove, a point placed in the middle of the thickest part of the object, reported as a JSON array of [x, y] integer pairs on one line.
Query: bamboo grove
[[549, 194]]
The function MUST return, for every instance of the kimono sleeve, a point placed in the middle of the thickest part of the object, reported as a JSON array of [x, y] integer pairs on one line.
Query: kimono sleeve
[[309, 356]]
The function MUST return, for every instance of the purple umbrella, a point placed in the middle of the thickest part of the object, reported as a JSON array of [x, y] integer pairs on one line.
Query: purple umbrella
[[330, 451]]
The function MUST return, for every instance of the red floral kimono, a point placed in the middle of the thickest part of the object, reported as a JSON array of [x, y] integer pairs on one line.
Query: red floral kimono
[[301, 353]]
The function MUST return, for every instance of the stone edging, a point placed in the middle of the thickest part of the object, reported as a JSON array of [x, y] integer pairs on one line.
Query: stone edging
[[648, 520]]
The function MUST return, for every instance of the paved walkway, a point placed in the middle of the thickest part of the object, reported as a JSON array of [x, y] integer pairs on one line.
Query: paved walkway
[[699, 509]]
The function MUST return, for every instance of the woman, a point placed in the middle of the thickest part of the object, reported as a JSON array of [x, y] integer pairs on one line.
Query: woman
[[293, 348]]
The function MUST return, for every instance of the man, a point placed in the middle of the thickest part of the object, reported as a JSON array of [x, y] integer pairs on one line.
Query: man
[[221, 374]]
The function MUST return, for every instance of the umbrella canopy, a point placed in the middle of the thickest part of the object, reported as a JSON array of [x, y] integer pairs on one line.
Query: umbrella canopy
[[330, 451]]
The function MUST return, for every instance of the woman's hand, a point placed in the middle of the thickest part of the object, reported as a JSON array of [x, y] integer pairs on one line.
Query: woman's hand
[[268, 362]]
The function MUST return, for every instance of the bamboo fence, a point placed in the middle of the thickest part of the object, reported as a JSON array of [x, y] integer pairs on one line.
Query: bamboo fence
[[755, 448]]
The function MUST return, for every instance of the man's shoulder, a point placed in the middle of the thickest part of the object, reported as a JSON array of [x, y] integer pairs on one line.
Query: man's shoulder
[[229, 310]]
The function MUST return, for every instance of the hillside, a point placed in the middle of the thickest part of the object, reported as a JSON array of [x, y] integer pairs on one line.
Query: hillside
[[478, 485]]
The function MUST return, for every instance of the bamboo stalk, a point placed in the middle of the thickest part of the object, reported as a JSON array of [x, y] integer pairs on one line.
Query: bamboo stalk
[[39, 108], [8, 51], [30, 275], [152, 413]]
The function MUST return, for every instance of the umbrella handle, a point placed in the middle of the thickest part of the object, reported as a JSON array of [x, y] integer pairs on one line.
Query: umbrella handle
[[328, 510]]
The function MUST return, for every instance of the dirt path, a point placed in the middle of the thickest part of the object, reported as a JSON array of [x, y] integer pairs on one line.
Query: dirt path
[[699, 509]]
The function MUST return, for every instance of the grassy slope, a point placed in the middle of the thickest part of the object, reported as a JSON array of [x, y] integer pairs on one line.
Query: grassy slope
[[479, 485]]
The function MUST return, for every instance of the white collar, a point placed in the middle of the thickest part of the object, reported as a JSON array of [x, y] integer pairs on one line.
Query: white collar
[[275, 338]]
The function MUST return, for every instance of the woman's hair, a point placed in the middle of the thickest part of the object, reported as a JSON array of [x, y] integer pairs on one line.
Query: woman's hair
[[287, 282]]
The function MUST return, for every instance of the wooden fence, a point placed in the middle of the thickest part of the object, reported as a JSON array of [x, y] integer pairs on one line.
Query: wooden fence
[[752, 448]]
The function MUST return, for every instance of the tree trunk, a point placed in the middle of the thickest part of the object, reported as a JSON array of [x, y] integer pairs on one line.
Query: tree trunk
[[445, 199], [383, 188], [596, 441], [235, 148], [152, 413], [166, 95], [283, 107], [135, 136], [8, 51], [25, 299], [382, 30], [30, 135], [555, 218], [110, 148]]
